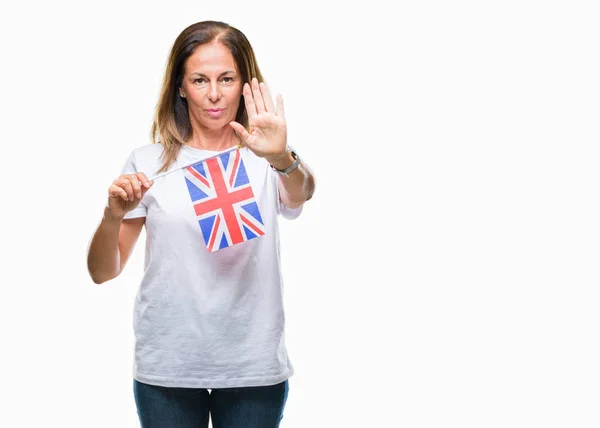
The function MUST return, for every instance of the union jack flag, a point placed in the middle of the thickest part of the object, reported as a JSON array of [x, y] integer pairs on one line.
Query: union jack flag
[[223, 200]]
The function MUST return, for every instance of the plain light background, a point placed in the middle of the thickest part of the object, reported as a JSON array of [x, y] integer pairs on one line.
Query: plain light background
[[445, 273]]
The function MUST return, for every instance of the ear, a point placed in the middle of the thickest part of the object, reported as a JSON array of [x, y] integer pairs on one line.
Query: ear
[[181, 93]]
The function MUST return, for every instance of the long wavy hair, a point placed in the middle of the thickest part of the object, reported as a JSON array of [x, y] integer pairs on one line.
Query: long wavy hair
[[171, 126]]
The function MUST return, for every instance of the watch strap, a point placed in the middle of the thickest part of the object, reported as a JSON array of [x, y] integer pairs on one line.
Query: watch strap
[[286, 172]]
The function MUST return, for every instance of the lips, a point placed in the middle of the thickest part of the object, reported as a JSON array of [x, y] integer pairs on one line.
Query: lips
[[215, 112]]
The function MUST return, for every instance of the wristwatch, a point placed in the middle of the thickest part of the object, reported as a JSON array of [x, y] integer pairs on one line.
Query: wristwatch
[[286, 172]]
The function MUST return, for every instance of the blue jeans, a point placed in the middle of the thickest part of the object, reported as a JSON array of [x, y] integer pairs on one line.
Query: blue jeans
[[249, 407]]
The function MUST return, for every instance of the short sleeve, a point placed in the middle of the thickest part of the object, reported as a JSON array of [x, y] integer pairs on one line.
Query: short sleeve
[[131, 167], [289, 213], [286, 212]]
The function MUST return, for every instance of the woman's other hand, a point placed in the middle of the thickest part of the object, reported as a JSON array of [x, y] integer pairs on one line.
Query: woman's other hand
[[126, 192]]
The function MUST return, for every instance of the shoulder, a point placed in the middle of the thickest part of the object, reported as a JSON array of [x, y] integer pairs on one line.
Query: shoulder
[[148, 152], [146, 158]]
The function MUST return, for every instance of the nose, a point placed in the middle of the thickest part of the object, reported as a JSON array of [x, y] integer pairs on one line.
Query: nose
[[214, 94]]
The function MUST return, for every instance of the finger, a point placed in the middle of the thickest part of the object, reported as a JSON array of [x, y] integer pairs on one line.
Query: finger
[[115, 191], [266, 95], [280, 112], [258, 99], [136, 184], [125, 184], [145, 182], [249, 101], [145, 189]]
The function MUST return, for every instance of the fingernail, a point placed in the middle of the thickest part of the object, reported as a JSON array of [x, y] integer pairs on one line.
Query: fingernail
[[139, 195], [147, 183]]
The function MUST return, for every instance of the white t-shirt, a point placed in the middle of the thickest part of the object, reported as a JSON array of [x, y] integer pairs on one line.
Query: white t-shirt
[[207, 319]]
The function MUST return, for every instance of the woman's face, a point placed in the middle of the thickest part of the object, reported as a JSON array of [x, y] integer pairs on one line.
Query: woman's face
[[212, 86]]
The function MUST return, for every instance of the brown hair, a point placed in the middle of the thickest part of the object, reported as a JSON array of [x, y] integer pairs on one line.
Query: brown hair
[[171, 126]]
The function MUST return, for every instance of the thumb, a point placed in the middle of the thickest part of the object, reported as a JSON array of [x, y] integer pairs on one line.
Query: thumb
[[145, 189], [242, 133]]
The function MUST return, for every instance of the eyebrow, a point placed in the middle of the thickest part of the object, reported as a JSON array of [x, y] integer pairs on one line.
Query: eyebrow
[[204, 75]]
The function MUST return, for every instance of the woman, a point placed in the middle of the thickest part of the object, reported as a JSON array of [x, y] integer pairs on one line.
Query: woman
[[208, 316]]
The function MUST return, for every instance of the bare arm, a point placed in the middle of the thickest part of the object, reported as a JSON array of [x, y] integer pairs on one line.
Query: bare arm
[[115, 237], [299, 186], [268, 139], [111, 247]]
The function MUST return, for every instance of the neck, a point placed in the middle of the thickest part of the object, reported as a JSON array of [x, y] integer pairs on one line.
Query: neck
[[212, 139]]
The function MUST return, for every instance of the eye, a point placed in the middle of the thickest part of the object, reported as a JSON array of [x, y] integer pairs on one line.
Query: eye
[[199, 80], [227, 79]]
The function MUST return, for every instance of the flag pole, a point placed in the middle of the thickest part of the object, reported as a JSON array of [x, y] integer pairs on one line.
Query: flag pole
[[231, 149]]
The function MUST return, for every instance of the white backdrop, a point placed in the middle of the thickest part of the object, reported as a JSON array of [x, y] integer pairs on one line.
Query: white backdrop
[[445, 273]]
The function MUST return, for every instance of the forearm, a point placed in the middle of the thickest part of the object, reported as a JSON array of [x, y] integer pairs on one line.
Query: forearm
[[103, 255], [299, 186]]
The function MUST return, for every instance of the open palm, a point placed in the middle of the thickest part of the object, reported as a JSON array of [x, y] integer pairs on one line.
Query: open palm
[[268, 131]]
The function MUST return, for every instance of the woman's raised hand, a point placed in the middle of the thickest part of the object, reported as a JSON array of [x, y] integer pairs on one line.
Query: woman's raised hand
[[268, 131], [126, 192]]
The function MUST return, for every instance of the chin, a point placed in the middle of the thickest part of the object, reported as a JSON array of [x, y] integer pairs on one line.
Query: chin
[[216, 125]]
